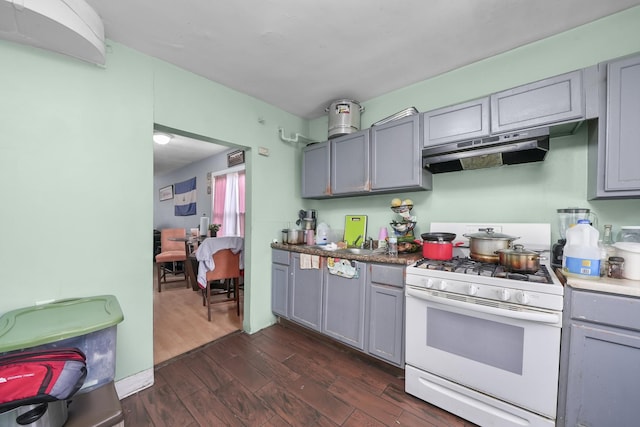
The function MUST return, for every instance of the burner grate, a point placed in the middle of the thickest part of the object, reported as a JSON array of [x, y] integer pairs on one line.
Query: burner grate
[[477, 268]]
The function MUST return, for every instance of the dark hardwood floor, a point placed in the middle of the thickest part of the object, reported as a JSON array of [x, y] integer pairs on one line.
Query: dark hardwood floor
[[277, 377]]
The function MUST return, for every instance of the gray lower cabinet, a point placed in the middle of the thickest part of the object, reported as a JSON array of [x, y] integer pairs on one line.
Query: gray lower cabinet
[[600, 360], [614, 146], [280, 278], [306, 294], [344, 301], [366, 313], [469, 120], [350, 158], [554, 100], [316, 171], [386, 313], [396, 157]]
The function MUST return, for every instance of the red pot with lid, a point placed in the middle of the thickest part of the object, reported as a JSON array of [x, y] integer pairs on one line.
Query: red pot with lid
[[438, 246]]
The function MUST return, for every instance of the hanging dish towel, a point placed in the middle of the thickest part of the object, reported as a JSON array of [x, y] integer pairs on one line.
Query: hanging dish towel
[[342, 267], [309, 261]]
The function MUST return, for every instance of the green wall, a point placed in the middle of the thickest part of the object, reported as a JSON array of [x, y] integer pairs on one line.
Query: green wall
[[517, 193], [77, 185], [76, 174]]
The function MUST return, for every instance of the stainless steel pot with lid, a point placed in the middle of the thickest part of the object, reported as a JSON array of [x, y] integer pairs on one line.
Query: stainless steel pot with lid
[[485, 244], [519, 259]]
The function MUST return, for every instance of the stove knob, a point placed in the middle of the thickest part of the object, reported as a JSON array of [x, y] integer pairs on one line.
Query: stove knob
[[428, 283], [523, 298], [505, 294], [442, 285], [472, 290]]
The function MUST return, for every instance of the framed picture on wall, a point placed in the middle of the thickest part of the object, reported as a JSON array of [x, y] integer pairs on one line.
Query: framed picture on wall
[[166, 193]]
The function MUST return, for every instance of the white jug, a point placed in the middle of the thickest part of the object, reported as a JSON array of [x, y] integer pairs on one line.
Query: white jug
[[322, 234], [581, 257]]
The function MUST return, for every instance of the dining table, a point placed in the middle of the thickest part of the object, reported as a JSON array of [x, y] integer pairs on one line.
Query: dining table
[[191, 264]]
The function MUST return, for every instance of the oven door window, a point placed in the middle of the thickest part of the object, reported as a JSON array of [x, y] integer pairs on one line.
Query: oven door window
[[512, 359], [485, 341]]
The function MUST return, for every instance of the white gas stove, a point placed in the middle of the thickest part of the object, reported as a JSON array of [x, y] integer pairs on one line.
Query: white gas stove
[[484, 280], [482, 342]]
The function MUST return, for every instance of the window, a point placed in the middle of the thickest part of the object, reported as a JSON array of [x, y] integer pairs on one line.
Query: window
[[227, 196]]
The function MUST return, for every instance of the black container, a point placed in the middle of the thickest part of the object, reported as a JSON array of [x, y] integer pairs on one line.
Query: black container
[[557, 251]]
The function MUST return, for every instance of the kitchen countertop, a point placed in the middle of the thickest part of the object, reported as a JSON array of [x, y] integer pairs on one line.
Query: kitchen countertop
[[606, 284], [402, 259]]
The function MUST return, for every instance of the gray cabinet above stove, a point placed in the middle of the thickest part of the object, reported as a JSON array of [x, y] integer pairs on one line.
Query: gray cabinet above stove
[[548, 102], [543, 103]]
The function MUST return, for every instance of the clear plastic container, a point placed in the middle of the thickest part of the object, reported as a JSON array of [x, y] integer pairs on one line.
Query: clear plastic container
[[88, 324], [393, 246], [581, 257], [629, 233]]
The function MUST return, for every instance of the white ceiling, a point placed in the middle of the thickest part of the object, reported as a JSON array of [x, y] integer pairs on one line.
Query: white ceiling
[[180, 152], [302, 55]]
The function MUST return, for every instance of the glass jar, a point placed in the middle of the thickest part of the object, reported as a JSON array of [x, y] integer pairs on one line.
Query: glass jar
[[392, 247], [616, 267]]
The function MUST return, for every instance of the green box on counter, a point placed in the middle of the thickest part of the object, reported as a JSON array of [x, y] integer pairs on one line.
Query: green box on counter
[[85, 323]]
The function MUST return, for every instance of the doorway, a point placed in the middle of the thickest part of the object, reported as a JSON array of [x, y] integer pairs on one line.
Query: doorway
[[180, 320]]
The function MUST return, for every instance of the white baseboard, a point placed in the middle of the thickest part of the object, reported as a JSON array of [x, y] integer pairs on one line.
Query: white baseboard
[[135, 383]]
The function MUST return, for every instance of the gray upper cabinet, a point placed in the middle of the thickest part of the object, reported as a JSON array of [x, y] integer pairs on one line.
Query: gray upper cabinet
[[550, 101], [386, 313], [614, 142], [316, 171], [306, 294], [600, 360], [344, 307], [280, 282], [350, 158], [396, 161], [469, 120]]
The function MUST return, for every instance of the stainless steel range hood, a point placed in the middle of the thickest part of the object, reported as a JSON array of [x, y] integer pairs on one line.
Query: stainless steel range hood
[[506, 149]]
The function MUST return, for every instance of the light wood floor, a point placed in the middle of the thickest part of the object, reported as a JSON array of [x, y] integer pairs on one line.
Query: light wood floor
[[180, 320]]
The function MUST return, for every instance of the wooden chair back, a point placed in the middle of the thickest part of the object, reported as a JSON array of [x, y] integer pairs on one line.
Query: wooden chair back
[[227, 265], [167, 245]]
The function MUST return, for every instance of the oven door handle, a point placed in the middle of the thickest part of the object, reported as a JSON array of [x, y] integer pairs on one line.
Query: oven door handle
[[529, 316]]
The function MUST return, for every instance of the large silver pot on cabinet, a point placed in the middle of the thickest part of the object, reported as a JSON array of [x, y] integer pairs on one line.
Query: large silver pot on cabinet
[[485, 244]]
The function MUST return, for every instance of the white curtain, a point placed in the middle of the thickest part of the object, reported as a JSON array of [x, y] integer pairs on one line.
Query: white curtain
[[230, 220]]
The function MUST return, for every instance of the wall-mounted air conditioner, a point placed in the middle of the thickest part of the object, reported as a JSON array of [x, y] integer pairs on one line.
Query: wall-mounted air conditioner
[[70, 27]]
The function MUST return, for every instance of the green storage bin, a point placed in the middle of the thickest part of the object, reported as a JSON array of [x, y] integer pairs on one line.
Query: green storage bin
[[85, 323]]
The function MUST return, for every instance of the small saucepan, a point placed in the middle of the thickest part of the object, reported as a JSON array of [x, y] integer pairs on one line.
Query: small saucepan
[[519, 259], [437, 246]]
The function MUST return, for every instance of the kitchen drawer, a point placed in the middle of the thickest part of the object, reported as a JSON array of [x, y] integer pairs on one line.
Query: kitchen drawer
[[280, 257], [606, 309], [387, 274]]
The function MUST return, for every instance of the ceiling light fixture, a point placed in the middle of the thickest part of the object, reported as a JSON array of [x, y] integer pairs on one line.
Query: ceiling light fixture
[[161, 138]]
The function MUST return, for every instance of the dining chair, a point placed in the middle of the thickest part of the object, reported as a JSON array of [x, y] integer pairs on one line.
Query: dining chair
[[171, 251], [227, 268]]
